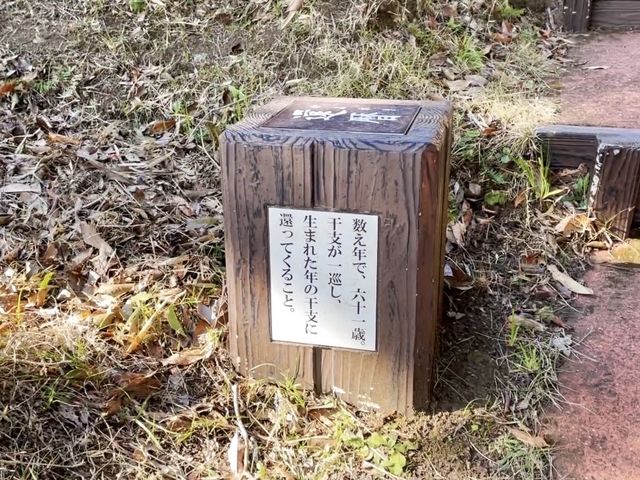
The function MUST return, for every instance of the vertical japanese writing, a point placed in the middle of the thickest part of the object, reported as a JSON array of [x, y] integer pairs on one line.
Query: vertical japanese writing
[[286, 225], [359, 261], [359, 253], [323, 283], [311, 273], [334, 255]]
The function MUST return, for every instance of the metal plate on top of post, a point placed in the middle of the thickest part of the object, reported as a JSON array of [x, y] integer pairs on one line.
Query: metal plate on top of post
[[345, 116]]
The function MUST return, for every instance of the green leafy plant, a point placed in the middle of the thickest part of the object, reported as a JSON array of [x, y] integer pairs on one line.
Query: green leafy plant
[[537, 175], [580, 191], [516, 457], [138, 6], [382, 448], [467, 55], [239, 102], [529, 359], [507, 12], [495, 198], [514, 329]]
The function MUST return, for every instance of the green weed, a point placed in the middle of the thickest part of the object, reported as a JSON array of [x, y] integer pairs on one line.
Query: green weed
[[514, 329], [528, 359], [580, 191], [507, 12], [383, 448], [468, 56], [138, 6], [55, 80], [518, 459], [536, 174]]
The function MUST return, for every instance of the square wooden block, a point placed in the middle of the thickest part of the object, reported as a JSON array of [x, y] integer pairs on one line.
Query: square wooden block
[[335, 213]]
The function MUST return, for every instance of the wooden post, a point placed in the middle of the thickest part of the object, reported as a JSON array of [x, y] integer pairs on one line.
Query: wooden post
[[615, 186], [613, 158], [576, 15], [335, 216], [616, 14]]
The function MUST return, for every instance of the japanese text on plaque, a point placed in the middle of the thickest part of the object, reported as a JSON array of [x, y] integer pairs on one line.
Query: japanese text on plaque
[[323, 277]]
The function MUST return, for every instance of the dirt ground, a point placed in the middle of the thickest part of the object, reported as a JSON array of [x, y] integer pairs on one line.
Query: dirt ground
[[602, 88], [596, 428]]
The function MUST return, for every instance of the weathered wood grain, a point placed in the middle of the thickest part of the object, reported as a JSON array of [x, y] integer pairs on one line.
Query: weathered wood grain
[[568, 146], [615, 186], [255, 176], [636, 214], [616, 14], [576, 15], [401, 178]]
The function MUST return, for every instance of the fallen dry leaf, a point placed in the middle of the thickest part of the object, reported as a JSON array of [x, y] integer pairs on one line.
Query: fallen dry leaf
[[528, 439], [456, 277], [476, 80], [533, 263], [490, 131], [456, 232], [450, 11], [572, 173], [627, 252], [521, 198], [502, 38], [115, 289], [7, 87], [506, 34], [161, 126], [568, 282], [112, 406], [457, 85], [91, 237], [292, 9], [21, 188], [80, 259], [57, 138], [235, 455], [574, 223], [186, 357], [140, 385], [526, 321]]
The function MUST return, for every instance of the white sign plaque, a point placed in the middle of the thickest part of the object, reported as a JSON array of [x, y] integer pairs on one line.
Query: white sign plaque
[[323, 275]]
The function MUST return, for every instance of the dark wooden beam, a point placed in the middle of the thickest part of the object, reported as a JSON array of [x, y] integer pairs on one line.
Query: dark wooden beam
[[567, 147], [576, 15], [613, 158], [615, 186], [616, 14]]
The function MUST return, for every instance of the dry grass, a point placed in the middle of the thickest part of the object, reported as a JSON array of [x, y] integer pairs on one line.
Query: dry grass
[[112, 310]]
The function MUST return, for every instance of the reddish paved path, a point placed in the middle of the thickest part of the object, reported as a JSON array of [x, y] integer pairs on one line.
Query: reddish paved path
[[598, 433], [607, 97]]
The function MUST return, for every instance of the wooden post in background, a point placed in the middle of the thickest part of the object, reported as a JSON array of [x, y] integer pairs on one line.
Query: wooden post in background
[[384, 164], [576, 15], [612, 156]]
